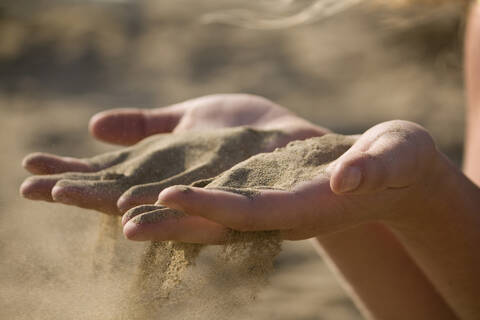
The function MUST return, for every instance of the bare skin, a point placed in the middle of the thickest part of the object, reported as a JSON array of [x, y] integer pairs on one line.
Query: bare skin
[[472, 81], [425, 251], [114, 182], [277, 174], [133, 176], [296, 209], [402, 181], [395, 177], [415, 292]]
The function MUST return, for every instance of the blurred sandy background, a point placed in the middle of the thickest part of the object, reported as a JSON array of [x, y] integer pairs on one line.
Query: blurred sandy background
[[62, 61]]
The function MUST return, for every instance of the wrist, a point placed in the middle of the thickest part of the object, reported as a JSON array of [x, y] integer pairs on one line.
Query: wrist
[[442, 236], [441, 192]]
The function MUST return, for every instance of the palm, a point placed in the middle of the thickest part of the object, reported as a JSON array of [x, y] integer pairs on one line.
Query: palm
[[128, 126]]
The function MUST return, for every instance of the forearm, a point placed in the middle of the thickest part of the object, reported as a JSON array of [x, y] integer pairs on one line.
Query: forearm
[[443, 237], [471, 165], [380, 276], [472, 81]]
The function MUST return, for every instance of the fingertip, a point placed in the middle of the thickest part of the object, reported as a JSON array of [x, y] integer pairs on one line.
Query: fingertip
[[131, 231], [174, 196], [35, 164], [34, 188], [27, 160], [61, 194], [27, 190], [138, 210], [143, 223], [139, 195], [46, 164], [68, 192], [125, 203], [94, 120], [345, 178], [119, 126], [125, 218], [168, 225], [99, 125]]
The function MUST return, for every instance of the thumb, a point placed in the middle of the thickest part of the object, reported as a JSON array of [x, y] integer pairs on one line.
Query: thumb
[[128, 126], [390, 155]]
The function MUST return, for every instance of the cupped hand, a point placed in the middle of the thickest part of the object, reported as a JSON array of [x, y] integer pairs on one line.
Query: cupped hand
[[128, 126], [116, 181], [309, 188]]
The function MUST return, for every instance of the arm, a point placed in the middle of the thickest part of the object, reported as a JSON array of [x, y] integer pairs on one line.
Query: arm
[[439, 227], [358, 253], [379, 253], [472, 81], [368, 257], [380, 276], [443, 239], [394, 175]]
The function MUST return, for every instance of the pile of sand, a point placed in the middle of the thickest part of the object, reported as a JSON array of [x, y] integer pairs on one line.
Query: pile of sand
[[142, 171]]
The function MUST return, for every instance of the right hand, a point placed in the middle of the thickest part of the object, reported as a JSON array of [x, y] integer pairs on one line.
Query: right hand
[[389, 173]]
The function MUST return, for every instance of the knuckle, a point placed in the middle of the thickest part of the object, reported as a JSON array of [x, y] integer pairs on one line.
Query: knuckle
[[374, 171]]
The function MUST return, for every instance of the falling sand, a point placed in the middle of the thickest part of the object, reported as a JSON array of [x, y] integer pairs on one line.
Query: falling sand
[[169, 282]]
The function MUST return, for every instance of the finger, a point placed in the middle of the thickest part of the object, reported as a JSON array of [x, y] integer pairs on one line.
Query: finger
[[148, 193], [128, 126], [138, 210], [138, 195], [96, 195], [43, 163], [268, 210], [167, 224], [386, 156], [39, 188]]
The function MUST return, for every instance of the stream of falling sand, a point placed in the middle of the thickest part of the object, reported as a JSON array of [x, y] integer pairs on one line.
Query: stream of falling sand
[[244, 261]]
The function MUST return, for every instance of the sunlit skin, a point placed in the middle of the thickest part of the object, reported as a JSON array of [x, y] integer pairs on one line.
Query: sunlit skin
[[401, 181], [89, 183], [406, 221], [396, 191], [391, 163]]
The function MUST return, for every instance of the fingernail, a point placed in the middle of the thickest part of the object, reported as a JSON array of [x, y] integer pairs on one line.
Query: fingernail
[[351, 178], [130, 230]]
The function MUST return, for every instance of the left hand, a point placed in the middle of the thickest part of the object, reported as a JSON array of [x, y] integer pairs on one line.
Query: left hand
[[114, 182]]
